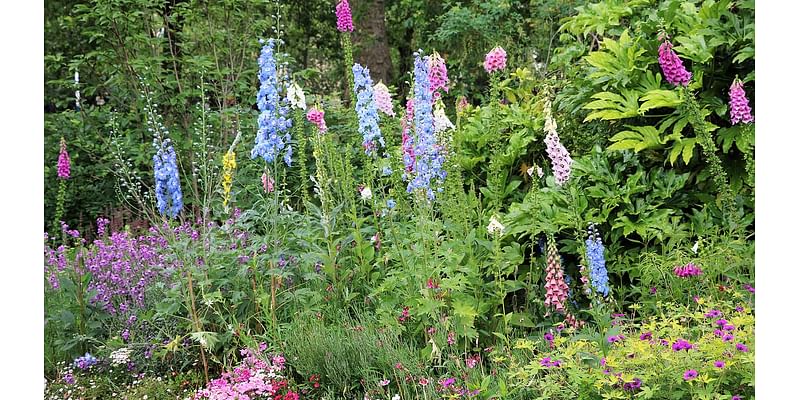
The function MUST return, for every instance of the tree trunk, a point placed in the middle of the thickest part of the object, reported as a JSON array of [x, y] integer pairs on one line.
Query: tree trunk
[[370, 39]]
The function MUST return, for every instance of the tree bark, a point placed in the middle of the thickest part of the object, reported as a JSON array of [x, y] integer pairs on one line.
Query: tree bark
[[370, 38]]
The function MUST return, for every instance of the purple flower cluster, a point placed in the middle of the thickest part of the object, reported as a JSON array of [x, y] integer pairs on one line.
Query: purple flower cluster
[[85, 361], [681, 344], [672, 66], [408, 140], [687, 270], [739, 105], [635, 384], [689, 374], [122, 268], [547, 362]]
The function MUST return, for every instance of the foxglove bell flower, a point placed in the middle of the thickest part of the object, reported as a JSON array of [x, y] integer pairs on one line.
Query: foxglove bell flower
[[739, 105], [562, 162], [317, 117], [63, 161], [296, 97], [344, 18], [383, 99], [440, 121], [495, 60], [437, 74], [556, 288], [367, 110], [273, 124], [672, 66], [495, 226]]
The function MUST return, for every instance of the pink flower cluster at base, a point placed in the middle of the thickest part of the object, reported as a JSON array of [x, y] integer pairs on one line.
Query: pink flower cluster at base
[[672, 66], [739, 105], [495, 60], [252, 378], [687, 271], [317, 117], [63, 161], [344, 18], [557, 289]]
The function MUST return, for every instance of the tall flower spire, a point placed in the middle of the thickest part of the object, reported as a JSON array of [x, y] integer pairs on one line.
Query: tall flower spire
[[597, 261], [672, 66], [63, 161], [437, 74], [555, 286], [272, 120], [558, 154], [739, 105], [367, 111], [429, 160], [344, 18]]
